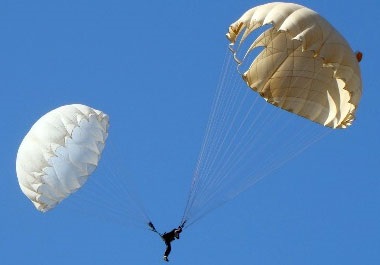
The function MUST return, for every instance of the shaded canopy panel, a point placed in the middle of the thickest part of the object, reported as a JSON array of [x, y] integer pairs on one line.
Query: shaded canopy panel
[[306, 66]]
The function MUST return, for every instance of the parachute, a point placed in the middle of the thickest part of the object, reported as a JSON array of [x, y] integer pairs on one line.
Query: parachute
[[295, 60], [59, 153], [306, 66]]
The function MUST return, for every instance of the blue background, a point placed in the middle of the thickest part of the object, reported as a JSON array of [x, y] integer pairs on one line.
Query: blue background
[[152, 66]]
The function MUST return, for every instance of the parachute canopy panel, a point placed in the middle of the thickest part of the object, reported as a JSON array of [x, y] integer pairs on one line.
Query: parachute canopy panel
[[306, 66], [59, 153]]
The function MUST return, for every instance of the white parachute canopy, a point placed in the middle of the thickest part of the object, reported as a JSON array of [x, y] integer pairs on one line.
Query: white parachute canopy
[[59, 153]]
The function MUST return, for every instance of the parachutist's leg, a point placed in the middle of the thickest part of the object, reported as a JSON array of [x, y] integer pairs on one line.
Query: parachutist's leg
[[168, 249]]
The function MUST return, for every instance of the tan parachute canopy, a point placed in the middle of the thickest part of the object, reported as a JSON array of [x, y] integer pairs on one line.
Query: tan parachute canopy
[[306, 66]]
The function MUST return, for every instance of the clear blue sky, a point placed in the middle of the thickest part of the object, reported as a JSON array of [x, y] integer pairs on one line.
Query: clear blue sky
[[152, 66]]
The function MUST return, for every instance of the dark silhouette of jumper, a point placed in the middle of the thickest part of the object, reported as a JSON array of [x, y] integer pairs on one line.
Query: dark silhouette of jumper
[[168, 238]]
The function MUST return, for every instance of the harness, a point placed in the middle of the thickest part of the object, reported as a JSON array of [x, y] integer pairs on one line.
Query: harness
[[153, 229]]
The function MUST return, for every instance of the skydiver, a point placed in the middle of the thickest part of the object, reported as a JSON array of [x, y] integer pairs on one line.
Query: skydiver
[[168, 238]]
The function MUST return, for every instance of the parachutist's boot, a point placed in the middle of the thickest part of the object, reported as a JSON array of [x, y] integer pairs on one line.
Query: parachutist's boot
[[166, 258]]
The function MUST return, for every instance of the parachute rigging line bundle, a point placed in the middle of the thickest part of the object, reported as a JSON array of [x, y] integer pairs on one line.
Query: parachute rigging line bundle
[[296, 61]]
